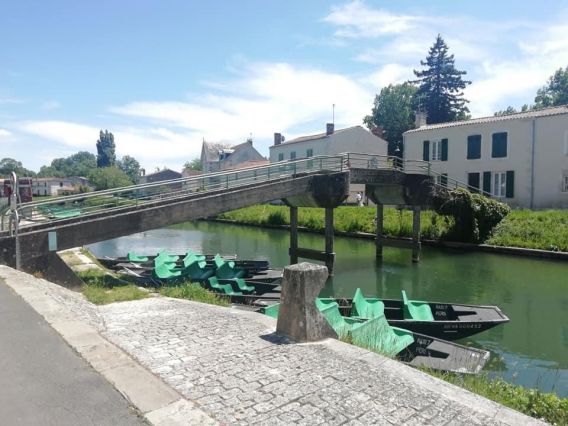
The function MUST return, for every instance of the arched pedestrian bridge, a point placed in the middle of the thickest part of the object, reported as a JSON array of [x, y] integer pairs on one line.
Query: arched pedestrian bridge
[[65, 222]]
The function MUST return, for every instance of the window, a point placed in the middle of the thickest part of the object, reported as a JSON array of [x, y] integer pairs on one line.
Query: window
[[281, 156], [293, 155], [565, 182], [499, 145], [499, 184], [474, 147], [473, 180], [441, 179], [436, 150], [309, 153]]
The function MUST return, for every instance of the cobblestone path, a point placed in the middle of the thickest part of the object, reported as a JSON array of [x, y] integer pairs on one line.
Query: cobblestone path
[[232, 365]]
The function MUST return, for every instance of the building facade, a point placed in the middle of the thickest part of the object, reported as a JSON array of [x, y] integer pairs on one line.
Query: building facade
[[217, 157], [333, 142], [521, 159]]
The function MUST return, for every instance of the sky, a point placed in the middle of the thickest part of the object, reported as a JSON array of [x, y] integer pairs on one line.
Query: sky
[[162, 76]]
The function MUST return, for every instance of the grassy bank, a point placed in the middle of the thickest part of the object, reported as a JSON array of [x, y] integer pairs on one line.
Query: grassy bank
[[193, 291], [532, 402], [546, 230], [102, 288]]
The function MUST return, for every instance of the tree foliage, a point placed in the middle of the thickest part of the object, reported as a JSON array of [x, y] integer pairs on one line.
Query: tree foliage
[[130, 166], [9, 165], [393, 111], [194, 164], [106, 156], [512, 110], [555, 92], [474, 215], [108, 177], [79, 164], [440, 86]]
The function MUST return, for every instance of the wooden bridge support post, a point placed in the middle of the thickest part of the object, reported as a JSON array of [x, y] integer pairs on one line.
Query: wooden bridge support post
[[416, 233], [330, 255], [293, 235], [379, 233]]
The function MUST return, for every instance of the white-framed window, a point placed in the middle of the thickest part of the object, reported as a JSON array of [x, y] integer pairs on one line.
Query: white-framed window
[[499, 184], [436, 150], [565, 182]]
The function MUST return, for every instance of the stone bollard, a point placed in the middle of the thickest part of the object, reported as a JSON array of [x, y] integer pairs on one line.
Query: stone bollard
[[298, 317]]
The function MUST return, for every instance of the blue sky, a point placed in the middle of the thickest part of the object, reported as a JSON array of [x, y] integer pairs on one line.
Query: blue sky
[[163, 75]]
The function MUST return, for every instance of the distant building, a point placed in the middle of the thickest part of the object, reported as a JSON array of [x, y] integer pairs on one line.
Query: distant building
[[217, 157], [520, 158], [55, 186], [165, 174], [352, 139]]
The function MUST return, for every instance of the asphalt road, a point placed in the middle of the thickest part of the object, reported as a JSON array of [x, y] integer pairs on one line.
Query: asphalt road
[[44, 382]]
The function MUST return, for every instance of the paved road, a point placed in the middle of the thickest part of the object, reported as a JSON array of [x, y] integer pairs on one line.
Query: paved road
[[43, 382]]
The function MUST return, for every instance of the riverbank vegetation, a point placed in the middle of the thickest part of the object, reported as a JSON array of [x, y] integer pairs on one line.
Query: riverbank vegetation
[[532, 402], [102, 288], [545, 230], [194, 292]]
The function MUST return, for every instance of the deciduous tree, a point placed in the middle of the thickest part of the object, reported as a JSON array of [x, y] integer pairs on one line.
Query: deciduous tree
[[194, 164], [393, 112], [108, 177], [555, 92], [131, 167], [106, 156]]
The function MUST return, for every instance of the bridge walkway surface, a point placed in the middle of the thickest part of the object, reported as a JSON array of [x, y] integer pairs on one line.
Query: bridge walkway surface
[[229, 365]]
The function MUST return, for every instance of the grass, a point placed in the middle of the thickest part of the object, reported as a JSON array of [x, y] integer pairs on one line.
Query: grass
[[102, 288], [193, 291], [532, 402], [397, 223], [545, 229]]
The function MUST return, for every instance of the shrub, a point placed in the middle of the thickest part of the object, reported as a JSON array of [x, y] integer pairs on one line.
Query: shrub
[[474, 215], [276, 218]]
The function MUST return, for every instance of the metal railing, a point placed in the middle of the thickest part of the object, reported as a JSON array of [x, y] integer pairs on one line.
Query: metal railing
[[88, 204], [440, 180]]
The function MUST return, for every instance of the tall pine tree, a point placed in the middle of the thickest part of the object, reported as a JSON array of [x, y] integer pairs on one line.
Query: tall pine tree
[[440, 86], [105, 150]]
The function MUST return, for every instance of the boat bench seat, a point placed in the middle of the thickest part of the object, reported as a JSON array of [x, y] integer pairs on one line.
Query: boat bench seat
[[226, 270], [226, 289], [132, 257], [366, 308], [415, 310], [272, 310], [162, 272]]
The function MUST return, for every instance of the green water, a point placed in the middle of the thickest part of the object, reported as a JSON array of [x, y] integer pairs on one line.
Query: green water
[[531, 350]]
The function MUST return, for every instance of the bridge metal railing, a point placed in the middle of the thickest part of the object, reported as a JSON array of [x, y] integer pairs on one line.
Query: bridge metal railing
[[440, 180], [91, 203]]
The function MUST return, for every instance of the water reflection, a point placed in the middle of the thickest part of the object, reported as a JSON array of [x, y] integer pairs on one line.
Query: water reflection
[[531, 350]]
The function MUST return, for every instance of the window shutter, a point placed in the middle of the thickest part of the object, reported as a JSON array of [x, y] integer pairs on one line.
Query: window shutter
[[510, 184], [426, 151], [444, 150], [487, 182]]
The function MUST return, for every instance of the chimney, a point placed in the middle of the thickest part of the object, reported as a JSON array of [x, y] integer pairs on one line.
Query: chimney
[[329, 128], [420, 119], [377, 131], [277, 138]]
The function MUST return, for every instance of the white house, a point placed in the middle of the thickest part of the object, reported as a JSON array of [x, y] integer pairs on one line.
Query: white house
[[332, 142], [521, 158]]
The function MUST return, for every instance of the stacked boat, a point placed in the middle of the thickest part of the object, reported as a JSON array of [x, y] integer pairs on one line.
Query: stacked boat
[[241, 280], [409, 330]]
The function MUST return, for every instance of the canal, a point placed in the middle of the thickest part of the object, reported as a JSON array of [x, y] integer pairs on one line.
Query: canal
[[531, 350]]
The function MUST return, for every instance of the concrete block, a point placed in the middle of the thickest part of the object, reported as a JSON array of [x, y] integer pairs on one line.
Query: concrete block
[[299, 319]]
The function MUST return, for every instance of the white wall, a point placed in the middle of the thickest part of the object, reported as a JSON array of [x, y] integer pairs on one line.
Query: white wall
[[550, 159], [354, 139]]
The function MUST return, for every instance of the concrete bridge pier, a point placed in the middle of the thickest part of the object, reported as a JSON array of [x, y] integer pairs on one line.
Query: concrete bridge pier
[[327, 191]]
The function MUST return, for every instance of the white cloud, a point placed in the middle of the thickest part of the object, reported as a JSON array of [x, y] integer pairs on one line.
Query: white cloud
[[356, 20], [390, 74], [272, 97], [74, 135], [5, 133]]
